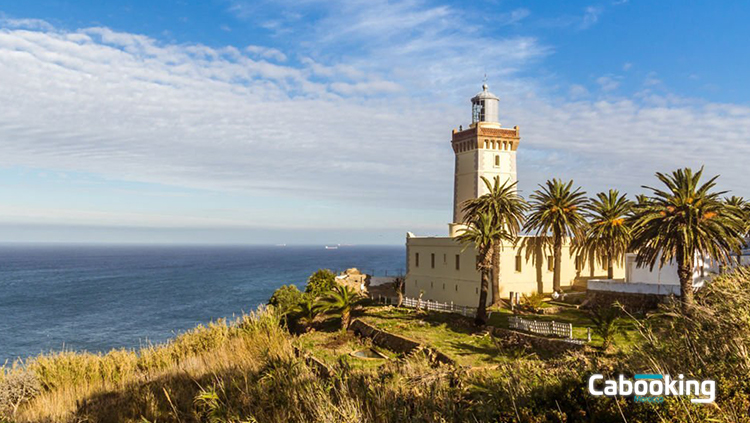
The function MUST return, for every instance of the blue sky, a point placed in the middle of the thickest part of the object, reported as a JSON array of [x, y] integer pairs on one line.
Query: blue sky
[[329, 121]]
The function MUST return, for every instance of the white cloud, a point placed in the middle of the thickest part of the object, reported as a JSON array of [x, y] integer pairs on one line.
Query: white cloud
[[369, 127], [591, 16], [608, 83], [627, 66], [266, 53]]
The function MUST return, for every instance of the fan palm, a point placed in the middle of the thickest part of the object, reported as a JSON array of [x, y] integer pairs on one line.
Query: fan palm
[[607, 236], [557, 214], [483, 233], [342, 299], [683, 222], [508, 208]]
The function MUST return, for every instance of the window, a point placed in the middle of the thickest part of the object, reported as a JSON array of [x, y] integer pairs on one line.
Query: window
[[456, 287], [550, 264], [579, 263], [519, 262], [476, 290], [445, 258], [432, 284], [497, 161], [458, 262], [432, 260], [416, 260], [443, 286]]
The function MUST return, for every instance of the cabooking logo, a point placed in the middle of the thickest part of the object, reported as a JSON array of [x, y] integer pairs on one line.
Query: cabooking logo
[[653, 387]]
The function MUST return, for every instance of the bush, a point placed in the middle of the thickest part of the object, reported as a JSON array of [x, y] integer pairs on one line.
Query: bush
[[17, 387], [320, 283], [286, 299]]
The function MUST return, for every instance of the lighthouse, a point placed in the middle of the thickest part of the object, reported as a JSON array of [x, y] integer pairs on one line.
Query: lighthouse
[[484, 149]]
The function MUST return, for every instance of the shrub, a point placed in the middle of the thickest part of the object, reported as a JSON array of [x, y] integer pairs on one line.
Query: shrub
[[534, 301], [320, 283], [606, 324], [285, 299], [16, 387]]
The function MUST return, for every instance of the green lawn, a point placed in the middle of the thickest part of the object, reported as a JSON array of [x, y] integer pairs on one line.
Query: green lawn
[[580, 321], [452, 334]]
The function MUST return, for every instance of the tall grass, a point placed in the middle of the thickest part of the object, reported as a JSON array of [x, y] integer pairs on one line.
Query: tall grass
[[246, 370]]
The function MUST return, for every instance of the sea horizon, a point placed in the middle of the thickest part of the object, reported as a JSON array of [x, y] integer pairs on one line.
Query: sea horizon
[[100, 296]]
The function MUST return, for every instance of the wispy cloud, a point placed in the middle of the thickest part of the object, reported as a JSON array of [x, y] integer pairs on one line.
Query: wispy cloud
[[364, 124]]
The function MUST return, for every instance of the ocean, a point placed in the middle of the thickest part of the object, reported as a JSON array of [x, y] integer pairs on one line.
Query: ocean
[[99, 297]]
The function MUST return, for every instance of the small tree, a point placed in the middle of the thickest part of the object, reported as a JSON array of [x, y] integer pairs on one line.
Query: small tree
[[341, 300], [606, 324], [308, 308], [320, 283], [399, 285], [285, 299]]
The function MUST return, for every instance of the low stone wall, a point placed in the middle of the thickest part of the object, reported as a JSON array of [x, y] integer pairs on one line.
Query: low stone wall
[[608, 285], [396, 343], [631, 302], [550, 345]]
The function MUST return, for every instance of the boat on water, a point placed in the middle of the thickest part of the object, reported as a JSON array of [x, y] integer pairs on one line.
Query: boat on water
[[332, 247]]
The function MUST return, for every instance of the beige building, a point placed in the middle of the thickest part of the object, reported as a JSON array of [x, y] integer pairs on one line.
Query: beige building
[[441, 269]]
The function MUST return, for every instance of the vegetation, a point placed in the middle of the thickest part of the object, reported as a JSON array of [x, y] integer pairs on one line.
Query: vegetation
[[285, 299], [320, 283], [682, 222], [247, 371], [607, 235], [483, 233], [341, 300], [508, 209], [307, 309], [607, 324], [556, 215]]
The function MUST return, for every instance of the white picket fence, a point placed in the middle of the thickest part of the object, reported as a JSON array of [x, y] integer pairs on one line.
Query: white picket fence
[[431, 305], [563, 330]]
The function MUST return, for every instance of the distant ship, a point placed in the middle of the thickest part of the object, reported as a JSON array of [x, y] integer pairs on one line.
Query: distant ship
[[334, 247]]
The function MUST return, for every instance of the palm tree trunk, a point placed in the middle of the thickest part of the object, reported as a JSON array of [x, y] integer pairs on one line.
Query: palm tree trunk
[[610, 264], [685, 273], [345, 317], [481, 318], [557, 262], [495, 275]]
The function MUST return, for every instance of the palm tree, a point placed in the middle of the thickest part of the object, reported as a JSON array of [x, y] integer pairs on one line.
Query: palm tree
[[483, 233], [308, 308], [682, 223], [342, 299], [508, 208], [557, 210], [607, 235], [742, 208]]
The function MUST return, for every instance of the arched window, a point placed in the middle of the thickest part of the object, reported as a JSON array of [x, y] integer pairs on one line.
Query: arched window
[[497, 160]]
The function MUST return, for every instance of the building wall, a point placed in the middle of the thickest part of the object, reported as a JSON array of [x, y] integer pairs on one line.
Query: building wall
[[445, 283]]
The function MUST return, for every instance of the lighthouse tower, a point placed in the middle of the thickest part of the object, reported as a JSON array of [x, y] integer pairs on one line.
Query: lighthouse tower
[[485, 149]]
